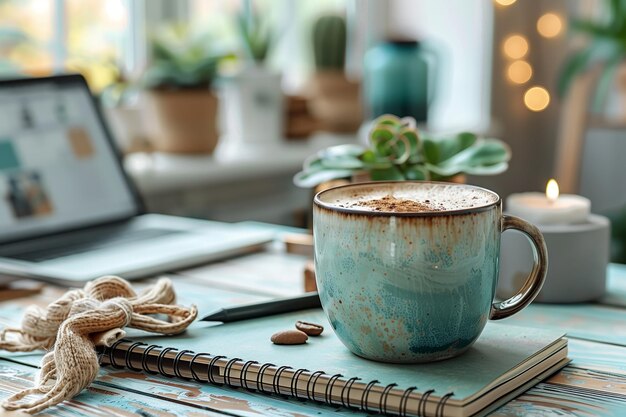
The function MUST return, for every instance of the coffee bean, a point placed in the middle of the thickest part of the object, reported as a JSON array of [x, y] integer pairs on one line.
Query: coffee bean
[[289, 337], [312, 329]]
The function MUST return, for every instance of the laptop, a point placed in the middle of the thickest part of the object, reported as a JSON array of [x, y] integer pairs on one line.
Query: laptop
[[68, 211]]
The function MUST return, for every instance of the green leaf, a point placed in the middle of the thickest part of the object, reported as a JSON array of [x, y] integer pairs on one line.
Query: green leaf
[[465, 140], [341, 150], [416, 173], [485, 153], [431, 151], [373, 161], [494, 169], [181, 58], [439, 150], [255, 36], [448, 172], [448, 148], [605, 82], [342, 162], [444, 171], [591, 28], [387, 119], [400, 149], [411, 136], [312, 162], [308, 179], [368, 156], [382, 133], [598, 53], [574, 65], [389, 174]]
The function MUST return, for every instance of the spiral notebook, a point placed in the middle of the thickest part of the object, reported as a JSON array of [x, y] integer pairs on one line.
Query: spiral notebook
[[505, 361]]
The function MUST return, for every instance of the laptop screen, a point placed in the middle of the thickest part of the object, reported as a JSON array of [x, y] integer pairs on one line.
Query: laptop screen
[[57, 169]]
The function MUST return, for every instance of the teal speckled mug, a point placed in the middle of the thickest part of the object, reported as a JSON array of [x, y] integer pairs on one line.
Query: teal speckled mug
[[407, 271]]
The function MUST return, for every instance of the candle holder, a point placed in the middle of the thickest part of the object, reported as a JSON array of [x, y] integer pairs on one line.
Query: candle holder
[[578, 255]]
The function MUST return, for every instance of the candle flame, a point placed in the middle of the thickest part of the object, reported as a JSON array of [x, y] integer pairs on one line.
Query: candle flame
[[552, 190]]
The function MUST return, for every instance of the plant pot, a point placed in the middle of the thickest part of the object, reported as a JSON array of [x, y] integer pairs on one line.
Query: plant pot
[[336, 101], [182, 121], [253, 107]]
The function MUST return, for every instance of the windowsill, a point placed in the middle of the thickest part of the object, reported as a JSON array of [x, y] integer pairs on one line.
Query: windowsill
[[158, 173]]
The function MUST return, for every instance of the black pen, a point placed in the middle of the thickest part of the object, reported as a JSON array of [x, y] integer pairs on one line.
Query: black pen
[[265, 308]]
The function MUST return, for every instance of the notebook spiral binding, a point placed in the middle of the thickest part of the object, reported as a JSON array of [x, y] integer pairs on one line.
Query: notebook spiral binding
[[242, 379]]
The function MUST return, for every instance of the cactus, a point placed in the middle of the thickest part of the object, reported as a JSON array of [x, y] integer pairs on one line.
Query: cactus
[[329, 42]]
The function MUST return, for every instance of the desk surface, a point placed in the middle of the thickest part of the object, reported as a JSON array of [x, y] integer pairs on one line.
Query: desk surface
[[594, 384]]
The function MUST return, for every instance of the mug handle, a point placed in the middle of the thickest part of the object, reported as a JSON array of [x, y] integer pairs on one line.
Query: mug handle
[[537, 276]]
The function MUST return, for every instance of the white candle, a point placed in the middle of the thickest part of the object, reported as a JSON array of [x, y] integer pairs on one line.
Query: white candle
[[549, 208]]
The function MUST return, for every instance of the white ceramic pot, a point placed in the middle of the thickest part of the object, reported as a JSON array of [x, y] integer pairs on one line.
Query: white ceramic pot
[[253, 111]]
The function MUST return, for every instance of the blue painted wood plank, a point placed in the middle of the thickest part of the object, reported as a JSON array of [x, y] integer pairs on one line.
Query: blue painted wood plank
[[97, 401]]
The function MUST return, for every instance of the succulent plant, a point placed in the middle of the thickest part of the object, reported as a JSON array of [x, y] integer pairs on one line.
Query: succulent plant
[[255, 35], [181, 59], [397, 152], [329, 42]]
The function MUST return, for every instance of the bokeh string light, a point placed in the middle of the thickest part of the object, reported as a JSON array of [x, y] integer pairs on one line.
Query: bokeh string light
[[536, 98], [549, 25], [519, 71]]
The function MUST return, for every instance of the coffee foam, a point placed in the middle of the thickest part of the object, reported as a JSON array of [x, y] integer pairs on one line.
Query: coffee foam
[[408, 197]]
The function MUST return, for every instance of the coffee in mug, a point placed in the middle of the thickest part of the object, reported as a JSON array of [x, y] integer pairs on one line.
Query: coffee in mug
[[407, 271]]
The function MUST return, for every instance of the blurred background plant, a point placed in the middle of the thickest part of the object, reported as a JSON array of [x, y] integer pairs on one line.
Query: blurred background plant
[[335, 100], [182, 58], [253, 99], [606, 49], [180, 102], [329, 43], [397, 152], [255, 35]]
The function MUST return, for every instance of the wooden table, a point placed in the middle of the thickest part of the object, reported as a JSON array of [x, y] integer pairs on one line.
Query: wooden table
[[594, 384]]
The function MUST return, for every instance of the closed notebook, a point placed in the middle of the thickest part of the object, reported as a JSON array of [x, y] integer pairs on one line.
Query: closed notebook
[[505, 361]]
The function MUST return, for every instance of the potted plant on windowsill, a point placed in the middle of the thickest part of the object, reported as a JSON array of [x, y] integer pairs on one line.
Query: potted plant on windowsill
[[397, 151], [253, 96], [181, 106], [335, 100]]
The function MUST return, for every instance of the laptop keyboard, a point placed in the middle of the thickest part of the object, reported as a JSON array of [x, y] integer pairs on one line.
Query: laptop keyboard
[[81, 242]]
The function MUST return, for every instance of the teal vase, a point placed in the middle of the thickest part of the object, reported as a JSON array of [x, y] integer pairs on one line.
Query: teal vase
[[396, 79]]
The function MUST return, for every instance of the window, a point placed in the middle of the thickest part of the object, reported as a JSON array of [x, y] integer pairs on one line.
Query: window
[[38, 37], [26, 33], [291, 21], [103, 38]]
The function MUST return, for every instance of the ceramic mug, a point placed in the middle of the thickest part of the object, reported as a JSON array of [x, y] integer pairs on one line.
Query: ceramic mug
[[407, 271]]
